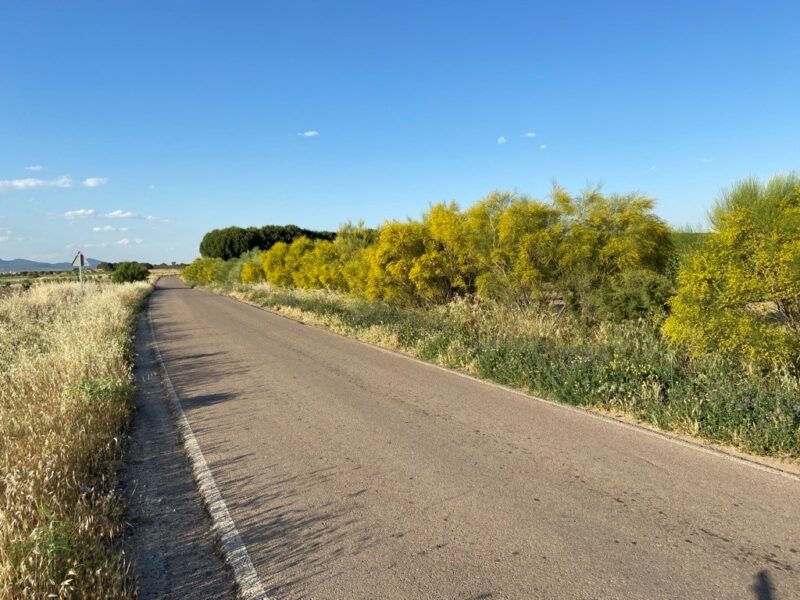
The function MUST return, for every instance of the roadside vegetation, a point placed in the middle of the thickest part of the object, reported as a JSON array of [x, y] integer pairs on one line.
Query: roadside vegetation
[[589, 299], [128, 272], [65, 399]]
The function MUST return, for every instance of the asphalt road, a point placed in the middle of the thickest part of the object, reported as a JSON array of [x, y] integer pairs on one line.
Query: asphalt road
[[356, 473]]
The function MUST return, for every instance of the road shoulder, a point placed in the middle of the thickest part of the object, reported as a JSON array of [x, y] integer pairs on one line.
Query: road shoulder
[[173, 550]]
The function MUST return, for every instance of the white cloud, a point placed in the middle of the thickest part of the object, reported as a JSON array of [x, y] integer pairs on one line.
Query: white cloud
[[652, 168], [123, 228], [529, 134], [31, 183], [127, 242], [309, 133], [501, 140], [121, 214], [80, 213], [705, 161], [105, 228], [34, 168], [126, 214], [95, 181], [543, 147], [5, 235], [151, 186], [68, 246], [64, 181]]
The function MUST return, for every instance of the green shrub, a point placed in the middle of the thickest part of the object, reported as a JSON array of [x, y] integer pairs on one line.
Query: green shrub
[[631, 295], [128, 272]]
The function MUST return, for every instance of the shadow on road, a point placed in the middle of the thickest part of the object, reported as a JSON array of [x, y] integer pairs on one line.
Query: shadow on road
[[190, 372], [297, 543], [298, 539], [762, 587]]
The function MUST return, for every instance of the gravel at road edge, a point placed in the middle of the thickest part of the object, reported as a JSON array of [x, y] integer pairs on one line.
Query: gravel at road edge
[[174, 552]]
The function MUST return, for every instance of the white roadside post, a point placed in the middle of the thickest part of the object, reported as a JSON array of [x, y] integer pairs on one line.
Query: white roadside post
[[79, 260]]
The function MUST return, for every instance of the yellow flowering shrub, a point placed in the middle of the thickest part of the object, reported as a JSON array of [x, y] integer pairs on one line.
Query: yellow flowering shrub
[[740, 294]]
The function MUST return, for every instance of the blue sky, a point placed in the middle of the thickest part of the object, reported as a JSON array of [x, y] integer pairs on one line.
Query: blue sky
[[162, 120]]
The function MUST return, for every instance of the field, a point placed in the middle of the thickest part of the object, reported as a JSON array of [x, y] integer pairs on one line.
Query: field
[[65, 399], [15, 280]]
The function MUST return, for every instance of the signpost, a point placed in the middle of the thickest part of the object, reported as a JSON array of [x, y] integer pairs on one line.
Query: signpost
[[79, 261]]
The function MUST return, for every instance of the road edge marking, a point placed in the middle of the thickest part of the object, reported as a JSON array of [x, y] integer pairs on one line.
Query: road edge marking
[[664, 435], [233, 549]]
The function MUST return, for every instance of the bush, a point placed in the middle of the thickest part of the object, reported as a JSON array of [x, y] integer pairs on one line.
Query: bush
[[739, 295], [685, 243], [631, 295], [128, 272], [251, 273], [105, 266], [505, 248], [202, 271], [603, 240]]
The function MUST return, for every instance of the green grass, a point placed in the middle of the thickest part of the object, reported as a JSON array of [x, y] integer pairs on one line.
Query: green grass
[[625, 368]]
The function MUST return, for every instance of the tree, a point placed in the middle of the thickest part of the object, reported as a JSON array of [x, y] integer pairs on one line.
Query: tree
[[739, 294], [232, 242], [127, 272]]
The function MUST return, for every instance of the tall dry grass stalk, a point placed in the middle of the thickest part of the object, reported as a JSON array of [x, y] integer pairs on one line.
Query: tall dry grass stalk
[[65, 393]]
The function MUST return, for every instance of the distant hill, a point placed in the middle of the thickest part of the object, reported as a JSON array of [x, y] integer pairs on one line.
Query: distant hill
[[20, 264]]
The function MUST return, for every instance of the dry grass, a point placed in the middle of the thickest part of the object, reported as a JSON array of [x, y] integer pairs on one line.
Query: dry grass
[[65, 392]]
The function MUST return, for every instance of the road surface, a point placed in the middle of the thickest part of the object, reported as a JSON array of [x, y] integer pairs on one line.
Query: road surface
[[352, 472], [169, 538]]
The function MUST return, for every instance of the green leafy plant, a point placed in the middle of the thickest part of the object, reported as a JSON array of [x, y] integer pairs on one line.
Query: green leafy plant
[[128, 272]]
